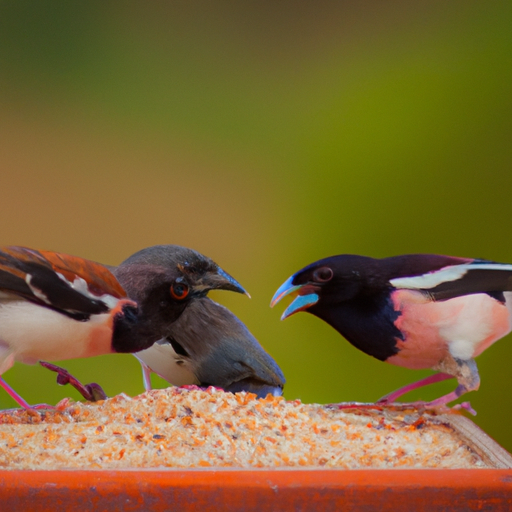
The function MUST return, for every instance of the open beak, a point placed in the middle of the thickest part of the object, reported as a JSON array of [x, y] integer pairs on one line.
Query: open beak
[[305, 297]]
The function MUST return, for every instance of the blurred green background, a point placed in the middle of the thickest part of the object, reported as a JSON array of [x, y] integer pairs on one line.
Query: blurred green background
[[266, 135]]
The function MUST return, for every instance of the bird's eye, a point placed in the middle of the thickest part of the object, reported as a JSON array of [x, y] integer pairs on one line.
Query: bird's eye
[[323, 274], [179, 291]]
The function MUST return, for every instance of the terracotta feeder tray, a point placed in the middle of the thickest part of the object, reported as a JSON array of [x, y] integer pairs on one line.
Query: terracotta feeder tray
[[177, 449]]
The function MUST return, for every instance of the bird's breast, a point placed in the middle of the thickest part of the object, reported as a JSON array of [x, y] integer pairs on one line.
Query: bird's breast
[[165, 362], [463, 327], [31, 332]]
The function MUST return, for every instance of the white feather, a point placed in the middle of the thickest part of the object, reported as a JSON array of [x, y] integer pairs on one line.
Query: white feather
[[162, 359], [446, 274], [80, 285], [36, 291]]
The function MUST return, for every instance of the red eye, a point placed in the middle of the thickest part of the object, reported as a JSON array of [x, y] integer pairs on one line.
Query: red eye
[[323, 274], [179, 291]]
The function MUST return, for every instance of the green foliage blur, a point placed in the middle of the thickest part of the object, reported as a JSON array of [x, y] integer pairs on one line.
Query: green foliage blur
[[266, 135]]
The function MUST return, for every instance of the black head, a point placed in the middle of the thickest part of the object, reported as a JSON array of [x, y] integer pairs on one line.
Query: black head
[[329, 281]]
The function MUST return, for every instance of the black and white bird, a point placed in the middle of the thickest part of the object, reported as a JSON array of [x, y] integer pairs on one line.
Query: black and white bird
[[417, 311]]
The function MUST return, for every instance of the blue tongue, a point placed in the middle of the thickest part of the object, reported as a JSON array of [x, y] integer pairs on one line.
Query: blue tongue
[[300, 303]]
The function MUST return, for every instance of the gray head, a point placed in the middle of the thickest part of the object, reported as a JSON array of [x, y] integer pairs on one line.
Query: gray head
[[165, 279]]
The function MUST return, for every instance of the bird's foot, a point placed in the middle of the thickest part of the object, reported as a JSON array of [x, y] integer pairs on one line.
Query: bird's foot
[[401, 406], [38, 407], [443, 401], [91, 392], [466, 406], [192, 387], [206, 388]]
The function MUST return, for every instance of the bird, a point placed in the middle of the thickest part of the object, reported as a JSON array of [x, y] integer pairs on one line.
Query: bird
[[209, 346], [206, 346], [417, 311], [56, 306]]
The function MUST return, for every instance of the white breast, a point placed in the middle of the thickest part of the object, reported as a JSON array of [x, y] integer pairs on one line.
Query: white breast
[[165, 362], [29, 333]]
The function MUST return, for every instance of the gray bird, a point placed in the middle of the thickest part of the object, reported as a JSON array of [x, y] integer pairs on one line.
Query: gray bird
[[209, 346], [206, 344]]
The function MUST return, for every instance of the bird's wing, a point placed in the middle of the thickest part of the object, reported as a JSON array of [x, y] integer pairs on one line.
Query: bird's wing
[[221, 348], [457, 280], [66, 283]]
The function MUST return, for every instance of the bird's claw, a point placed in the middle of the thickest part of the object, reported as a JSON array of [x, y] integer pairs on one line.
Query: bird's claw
[[191, 387], [91, 392], [466, 406], [355, 405], [383, 402]]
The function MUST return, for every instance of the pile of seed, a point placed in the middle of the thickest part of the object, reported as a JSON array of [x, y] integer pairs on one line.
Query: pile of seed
[[181, 428]]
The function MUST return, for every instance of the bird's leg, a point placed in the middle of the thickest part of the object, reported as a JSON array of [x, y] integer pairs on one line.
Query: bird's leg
[[468, 378], [20, 401], [431, 379], [450, 397], [91, 392], [466, 373], [146, 376]]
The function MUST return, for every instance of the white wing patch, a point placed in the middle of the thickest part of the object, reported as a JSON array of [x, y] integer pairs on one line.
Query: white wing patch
[[36, 291], [80, 285], [451, 273]]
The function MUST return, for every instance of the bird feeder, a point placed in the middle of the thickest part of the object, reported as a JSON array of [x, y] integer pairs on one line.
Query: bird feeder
[[178, 449]]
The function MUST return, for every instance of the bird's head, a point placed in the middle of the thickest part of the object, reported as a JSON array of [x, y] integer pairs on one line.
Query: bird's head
[[163, 279], [325, 282]]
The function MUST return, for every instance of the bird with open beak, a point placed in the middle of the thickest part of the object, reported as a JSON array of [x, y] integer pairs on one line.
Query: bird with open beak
[[417, 311], [55, 306]]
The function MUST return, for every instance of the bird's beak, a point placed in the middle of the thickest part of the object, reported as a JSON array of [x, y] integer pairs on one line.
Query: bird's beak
[[220, 280], [305, 298], [260, 389]]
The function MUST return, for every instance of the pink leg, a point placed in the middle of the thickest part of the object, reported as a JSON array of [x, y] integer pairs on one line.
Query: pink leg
[[431, 379], [20, 401], [443, 400], [450, 397], [91, 392]]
